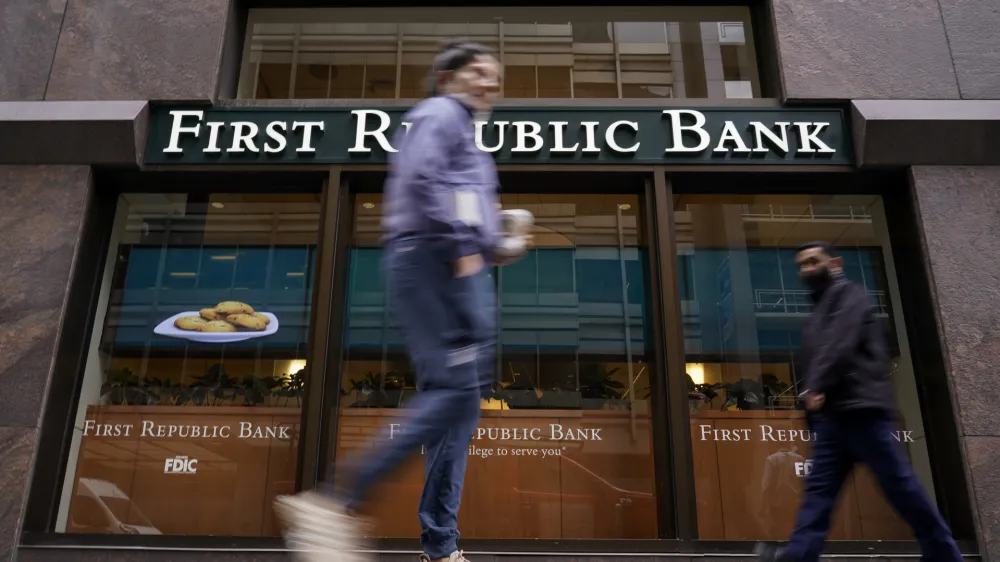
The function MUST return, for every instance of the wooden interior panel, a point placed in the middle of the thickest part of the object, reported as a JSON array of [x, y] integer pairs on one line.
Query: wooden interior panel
[[122, 478], [585, 475], [749, 485], [553, 474]]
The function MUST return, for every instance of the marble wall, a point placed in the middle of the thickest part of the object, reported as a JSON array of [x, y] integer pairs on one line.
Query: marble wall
[[26, 48], [40, 223], [139, 50], [959, 213], [890, 49]]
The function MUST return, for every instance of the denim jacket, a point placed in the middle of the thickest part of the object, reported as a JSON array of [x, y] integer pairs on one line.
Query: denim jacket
[[441, 187]]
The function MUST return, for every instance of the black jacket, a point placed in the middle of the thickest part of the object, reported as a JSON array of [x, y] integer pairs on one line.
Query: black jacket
[[844, 353]]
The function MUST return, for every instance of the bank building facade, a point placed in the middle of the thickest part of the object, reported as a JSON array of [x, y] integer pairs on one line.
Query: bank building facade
[[222, 162]]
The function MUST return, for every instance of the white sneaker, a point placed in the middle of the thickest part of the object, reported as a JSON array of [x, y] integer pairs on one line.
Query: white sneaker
[[319, 529], [456, 556]]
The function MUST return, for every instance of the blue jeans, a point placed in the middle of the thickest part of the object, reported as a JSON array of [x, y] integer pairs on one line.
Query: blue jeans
[[448, 327], [864, 436]]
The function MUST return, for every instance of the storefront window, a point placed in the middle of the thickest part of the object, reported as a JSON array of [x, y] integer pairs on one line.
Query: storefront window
[[189, 408], [743, 307], [602, 52], [564, 448]]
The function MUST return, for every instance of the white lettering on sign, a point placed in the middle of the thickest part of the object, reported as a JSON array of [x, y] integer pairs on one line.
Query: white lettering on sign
[[766, 432], [177, 128], [525, 131], [244, 134], [481, 126], [180, 465], [688, 130], [590, 132], [362, 132], [609, 136], [769, 433], [708, 433], [803, 468], [779, 141], [91, 427], [154, 430], [731, 135], [507, 439], [808, 134], [903, 436], [253, 431], [558, 134], [677, 130]]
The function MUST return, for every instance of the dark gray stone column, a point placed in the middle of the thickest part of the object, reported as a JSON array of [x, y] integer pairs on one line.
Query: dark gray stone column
[[40, 221], [958, 208]]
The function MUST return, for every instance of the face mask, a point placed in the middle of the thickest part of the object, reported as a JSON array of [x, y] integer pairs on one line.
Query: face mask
[[818, 280]]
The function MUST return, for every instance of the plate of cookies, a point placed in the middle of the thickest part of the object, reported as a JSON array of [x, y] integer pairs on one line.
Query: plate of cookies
[[228, 321]]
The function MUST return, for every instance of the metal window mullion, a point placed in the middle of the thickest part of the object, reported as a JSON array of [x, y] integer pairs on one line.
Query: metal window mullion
[[618, 62], [256, 76], [364, 79], [295, 62], [399, 60]]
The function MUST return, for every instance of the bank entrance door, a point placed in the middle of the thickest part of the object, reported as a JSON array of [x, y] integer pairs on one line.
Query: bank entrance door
[[565, 448]]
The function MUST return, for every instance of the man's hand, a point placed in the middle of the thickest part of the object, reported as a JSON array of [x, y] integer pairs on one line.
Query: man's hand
[[814, 402], [507, 260], [466, 266]]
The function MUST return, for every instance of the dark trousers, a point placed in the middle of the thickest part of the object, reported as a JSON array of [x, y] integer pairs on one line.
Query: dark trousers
[[448, 328], [864, 436]]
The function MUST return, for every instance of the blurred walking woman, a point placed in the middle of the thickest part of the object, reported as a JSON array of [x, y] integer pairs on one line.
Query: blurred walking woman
[[441, 222]]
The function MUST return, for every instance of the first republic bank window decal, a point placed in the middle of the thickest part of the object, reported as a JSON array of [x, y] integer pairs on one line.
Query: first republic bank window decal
[[552, 135]]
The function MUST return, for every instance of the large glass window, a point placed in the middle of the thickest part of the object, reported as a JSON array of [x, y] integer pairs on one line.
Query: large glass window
[[564, 449], [189, 408], [598, 52], [743, 307]]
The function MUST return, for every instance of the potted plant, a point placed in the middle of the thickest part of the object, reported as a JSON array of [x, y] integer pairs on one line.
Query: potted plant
[[745, 394], [280, 390], [212, 388], [123, 388], [598, 388], [520, 393], [701, 393], [365, 390]]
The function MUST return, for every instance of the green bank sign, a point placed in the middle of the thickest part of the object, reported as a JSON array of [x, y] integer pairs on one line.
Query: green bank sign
[[647, 135]]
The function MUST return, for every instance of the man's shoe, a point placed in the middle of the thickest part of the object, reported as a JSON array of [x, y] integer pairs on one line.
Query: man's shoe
[[456, 556], [319, 529], [768, 552]]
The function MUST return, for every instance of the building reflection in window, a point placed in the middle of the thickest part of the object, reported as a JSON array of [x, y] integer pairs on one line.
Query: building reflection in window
[[620, 52], [743, 307], [564, 449], [191, 398]]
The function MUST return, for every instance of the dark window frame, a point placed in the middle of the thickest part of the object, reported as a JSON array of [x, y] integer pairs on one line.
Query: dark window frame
[[238, 17], [917, 304], [81, 313]]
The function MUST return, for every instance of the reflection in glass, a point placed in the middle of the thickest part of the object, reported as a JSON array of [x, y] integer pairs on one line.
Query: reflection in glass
[[564, 446], [602, 52], [743, 307], [191, 399]]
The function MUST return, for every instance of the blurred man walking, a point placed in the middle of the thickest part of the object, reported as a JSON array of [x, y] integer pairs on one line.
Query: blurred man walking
[[849, 404], [442, 233]]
